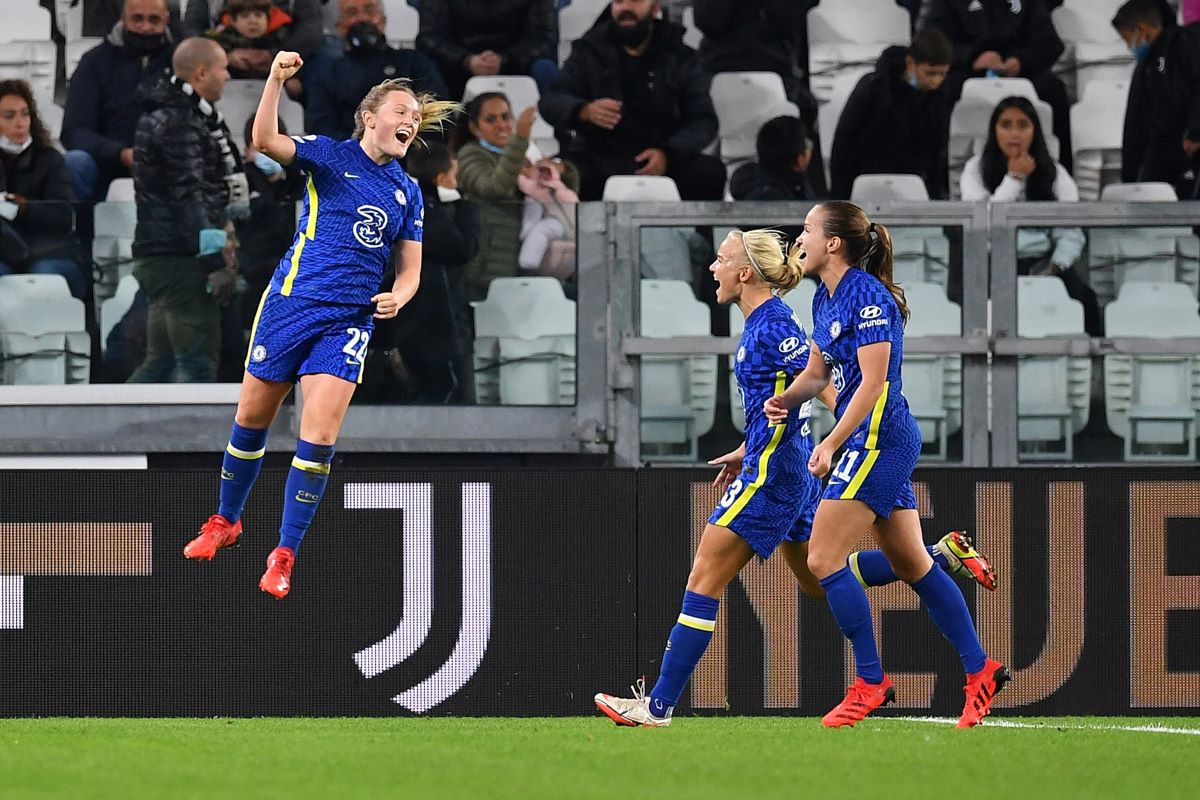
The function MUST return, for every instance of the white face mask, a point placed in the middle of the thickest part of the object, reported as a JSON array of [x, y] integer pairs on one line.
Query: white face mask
[[12, 148], [448, 195]]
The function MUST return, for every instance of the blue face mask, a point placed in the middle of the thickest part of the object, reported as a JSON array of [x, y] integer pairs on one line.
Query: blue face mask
[[912, 81], [268, 166], [1140, 51]]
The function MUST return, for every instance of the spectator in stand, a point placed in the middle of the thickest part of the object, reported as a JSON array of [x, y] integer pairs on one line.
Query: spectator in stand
[[488, 170], [1162, 117], [99, 17], [428, 343], [1004, 38], [633, 99], [303, 37], [502, 37], [255, 27], [896, 120], [35, 194], [1016, 166], [333, 87], [548, 217], [763, 36], [781, 172], [102, 109], [184, 248]]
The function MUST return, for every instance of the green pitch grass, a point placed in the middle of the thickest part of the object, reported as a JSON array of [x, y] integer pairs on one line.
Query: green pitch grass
[[589, 757]]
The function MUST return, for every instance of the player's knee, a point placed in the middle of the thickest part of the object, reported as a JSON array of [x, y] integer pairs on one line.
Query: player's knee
[[823, 565]]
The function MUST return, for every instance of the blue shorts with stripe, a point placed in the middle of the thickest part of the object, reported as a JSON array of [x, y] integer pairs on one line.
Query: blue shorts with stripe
[[294, 336], [880, 478], [768, 514]]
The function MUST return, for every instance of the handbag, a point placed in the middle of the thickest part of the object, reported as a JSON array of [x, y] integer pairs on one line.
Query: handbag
[[14, 250]]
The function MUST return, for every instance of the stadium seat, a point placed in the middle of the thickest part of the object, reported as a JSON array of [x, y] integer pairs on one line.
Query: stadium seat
[[25, 21], [32, 62], [1148, 192], [1096, 126], [121, 191], [1094, 52], [933, 383], [74, 49], [240, 102], [525, 344], [920, 255], [403, 22], [114, 308], [630, 188], [888, 187], [1053, 392], [50, 112], [678, 391], [692, 36], [522, 92], [574, 21], [1153, 402], [743, 102], [42, 335], [112, 245]]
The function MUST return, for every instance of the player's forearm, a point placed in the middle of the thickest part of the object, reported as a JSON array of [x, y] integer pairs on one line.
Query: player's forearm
[[861, 403], [805, 387], [265, 136]]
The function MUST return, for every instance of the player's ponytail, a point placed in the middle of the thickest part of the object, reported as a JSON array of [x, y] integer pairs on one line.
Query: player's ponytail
[[434, 112], [764, 250], [865, 244]]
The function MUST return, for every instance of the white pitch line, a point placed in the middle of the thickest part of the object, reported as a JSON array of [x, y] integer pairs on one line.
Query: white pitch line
[[992, 722]]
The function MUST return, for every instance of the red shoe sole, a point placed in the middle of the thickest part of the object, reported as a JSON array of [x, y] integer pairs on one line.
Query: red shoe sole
[[613, 715]]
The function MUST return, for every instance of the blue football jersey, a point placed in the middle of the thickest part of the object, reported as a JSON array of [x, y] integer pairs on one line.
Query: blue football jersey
[[773, 351], [861, 312], [354, 212]]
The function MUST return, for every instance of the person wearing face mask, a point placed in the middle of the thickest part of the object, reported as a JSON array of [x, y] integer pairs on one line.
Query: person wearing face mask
[[303, 36], [334, 85], [427, 346], [1162, 118], [102, 109], [897, 120], [489, 173], [632, 99], [35, 194]]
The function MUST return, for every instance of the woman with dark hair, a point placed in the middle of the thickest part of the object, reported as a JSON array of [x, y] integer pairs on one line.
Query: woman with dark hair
[[781, 173], [857, 342], [488, 168], [1016, 166], [35, 194]]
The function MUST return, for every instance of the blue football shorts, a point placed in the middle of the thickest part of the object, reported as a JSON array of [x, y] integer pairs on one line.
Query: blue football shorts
[[880, 478], [294, 336], [768, 514]]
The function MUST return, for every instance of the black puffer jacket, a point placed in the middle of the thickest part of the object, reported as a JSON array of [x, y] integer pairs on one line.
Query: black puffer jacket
[[1021, 29], [179, 177], [521, 31], [682, 109], [40, 176], [752, 182], [102, 107], [1164, 106], [888, 126]]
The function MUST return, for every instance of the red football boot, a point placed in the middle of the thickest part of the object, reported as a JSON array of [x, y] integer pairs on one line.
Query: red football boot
[[981, 689], [215, 534], [277, 580], [861, 699]]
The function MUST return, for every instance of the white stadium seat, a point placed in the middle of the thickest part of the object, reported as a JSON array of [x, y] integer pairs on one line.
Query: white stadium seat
[[525, 344], [1053, 392], [112, 245], [574, 21], [933, 383], [115, 307], [1096, 124], [42, 335], [403, 22], [883, 187], [239, 102], [631, 188], [743, 102], [121, 191], [678, 391], [1153, 402]]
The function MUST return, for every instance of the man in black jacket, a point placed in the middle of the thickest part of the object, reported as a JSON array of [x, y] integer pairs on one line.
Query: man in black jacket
[[499, 37], [1004, 38], [633, 99], [333, 87], [102, 109], [896, 119], [186, 172], [1162, 118]]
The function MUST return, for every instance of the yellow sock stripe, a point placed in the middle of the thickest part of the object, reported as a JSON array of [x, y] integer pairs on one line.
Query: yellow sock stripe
[[748, 492], [699, 624], [308, 234], [254, 326], [853, 560], [310, 466], [876, 416], [248, 455], [861, 475]]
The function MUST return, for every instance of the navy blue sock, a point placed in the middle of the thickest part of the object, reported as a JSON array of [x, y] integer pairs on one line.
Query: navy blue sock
[[949, 611], [872, 568], [305, 484], [239, 469], [848, 601], [687, 643]]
